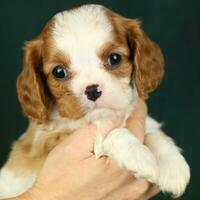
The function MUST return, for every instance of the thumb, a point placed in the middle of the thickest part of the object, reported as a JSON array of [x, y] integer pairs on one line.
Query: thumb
[[136, 122], [81, 142]]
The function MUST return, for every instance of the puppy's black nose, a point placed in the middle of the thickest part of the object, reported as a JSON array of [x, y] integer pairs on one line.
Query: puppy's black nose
[[92, 92]]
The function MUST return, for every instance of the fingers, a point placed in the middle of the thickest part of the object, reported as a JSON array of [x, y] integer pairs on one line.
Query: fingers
[[82, 141], [136, 122], [139, 187], [151, 192], [129, 187], [85, 137], [130, 191], [137, 190]]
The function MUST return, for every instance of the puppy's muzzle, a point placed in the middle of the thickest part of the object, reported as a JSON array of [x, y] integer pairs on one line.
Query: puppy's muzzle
[[92, 92]]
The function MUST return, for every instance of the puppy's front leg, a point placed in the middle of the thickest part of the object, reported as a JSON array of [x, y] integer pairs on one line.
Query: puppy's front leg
[[123, 147], [174, 172]]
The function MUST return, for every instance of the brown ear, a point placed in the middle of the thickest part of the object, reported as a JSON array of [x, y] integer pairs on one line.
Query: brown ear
[[148, 60], [30, 86]]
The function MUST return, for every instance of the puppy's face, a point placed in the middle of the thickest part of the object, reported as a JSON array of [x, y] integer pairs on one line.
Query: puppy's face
[[87, 58]]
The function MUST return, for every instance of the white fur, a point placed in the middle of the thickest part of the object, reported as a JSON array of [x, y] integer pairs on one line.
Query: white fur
[[174, 172], [11, 186], [122, 146], [169, 171], [80, 34]]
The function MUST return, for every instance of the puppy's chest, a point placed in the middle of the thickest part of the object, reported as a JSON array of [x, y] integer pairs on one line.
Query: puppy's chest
[[49, 134]]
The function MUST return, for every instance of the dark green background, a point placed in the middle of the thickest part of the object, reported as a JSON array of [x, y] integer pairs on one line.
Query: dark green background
[[174, 24]]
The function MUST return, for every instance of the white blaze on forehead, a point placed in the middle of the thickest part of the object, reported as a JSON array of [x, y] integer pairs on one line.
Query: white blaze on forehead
[[81, 32]]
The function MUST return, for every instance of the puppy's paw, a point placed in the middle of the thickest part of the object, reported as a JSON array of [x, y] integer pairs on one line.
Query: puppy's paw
[[129, 152], [174, 174]]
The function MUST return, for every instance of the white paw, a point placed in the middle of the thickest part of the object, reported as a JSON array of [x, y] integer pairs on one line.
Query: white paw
[[12, 185], [122, 146], [174, 174]]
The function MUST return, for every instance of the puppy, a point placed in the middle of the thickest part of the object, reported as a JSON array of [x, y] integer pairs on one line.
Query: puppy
[[87, 65]]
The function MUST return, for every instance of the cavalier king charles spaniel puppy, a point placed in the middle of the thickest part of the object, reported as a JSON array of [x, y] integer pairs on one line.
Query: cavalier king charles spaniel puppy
[[87, 65]]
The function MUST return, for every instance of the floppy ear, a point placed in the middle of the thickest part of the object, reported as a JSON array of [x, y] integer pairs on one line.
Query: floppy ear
[[148, 61], [30, 86]]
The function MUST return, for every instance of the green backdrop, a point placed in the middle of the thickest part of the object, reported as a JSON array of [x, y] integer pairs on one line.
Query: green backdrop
[[174, 24]]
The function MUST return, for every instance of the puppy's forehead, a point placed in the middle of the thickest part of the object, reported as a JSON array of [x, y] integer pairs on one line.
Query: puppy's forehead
[[82, 30]]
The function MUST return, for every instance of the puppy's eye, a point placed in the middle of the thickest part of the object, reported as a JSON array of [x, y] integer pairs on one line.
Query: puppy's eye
[[60, 72], [114, 60]]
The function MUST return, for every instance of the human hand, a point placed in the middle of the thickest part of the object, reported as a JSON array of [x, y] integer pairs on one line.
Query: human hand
[[71, 170], [136, 124]]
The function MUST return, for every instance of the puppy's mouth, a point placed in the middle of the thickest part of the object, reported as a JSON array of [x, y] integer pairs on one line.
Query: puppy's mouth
[[96, 97], [107, 103], [96, 105]]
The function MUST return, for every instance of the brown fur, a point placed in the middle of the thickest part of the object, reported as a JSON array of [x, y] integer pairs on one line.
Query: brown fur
[[124, 69], [36, 86], [21, 159], [28, 153], [38, 89], [145, 55], [31, 93], [140, 55]]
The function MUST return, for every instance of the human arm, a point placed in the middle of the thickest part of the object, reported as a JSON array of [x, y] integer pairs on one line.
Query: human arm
[[71, 170]]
